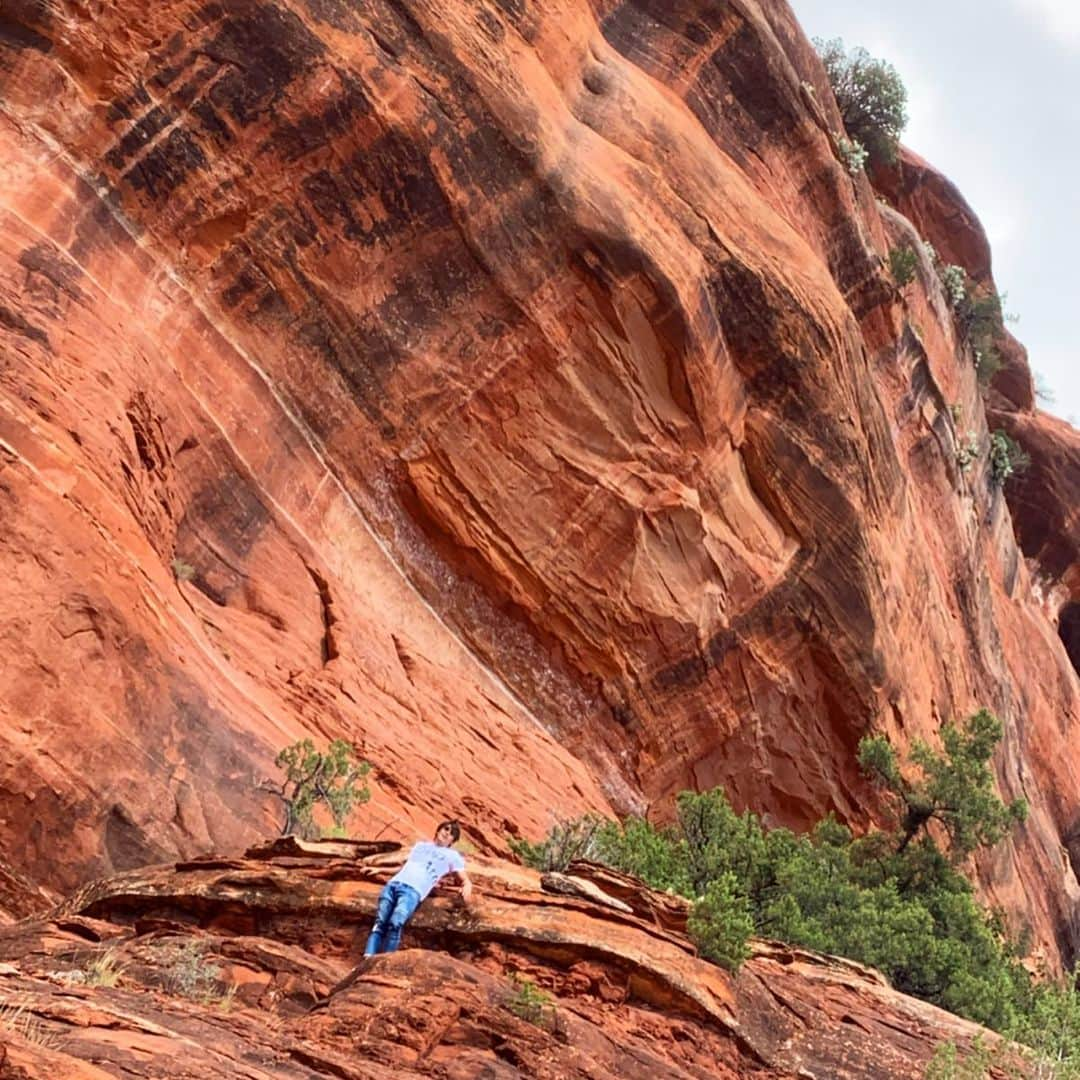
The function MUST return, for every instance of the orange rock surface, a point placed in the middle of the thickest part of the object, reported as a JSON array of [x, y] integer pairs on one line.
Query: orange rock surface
[[229, 968], [517, 390]]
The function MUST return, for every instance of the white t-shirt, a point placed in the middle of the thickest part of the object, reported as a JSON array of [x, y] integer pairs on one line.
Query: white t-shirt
[[427, 863]]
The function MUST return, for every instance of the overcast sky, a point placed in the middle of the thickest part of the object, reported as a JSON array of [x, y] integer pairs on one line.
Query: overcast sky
[[994, 103]]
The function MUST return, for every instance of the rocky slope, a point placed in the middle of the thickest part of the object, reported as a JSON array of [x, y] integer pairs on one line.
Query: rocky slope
[[514, 388], [224, 968]]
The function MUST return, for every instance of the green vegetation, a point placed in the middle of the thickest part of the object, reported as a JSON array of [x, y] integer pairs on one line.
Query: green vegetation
[[531, 1004], [893, 899], [954, 282], [566, 842], [955, 788], [903, 263], [313, 778], [721, 922], [967, 453], [980, 319], [193, 975], [948, 1064], [1050, 1030], [870, 95], [182, 571], [1007, 458], [852, 154]]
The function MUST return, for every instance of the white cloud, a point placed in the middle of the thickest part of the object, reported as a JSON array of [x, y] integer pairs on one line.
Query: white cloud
[[1057, 19]]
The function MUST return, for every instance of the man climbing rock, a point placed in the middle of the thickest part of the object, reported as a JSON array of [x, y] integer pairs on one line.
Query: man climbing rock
[[427, 864]]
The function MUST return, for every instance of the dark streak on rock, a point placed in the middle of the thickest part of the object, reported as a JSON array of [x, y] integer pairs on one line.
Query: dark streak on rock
[[15, 34], [266, 47], [127, 107], [328, 646], [308, 133], [47, 261], [230, 510], [14, 322], [335, 13], [155, 121], [166, 166], [212, 124]]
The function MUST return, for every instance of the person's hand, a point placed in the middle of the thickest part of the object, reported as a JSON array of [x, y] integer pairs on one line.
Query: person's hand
[[466, 891]]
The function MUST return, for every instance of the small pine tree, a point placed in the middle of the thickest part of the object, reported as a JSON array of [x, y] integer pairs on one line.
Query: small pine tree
[[956, 788], [720, 922], [311, 778]]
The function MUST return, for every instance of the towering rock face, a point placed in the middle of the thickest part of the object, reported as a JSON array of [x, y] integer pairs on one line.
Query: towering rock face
[[514, 388]]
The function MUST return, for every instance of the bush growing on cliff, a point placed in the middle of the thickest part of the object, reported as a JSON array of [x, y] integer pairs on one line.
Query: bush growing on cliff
[[895, 900], [967, 452], [870, 95], [954, 282], [1007, 458], [531, 1004], [566, 842], [852, 154], [720, 922], [332, 779], [1050, 1030], [955, 788], [980, 319], [903, 262]]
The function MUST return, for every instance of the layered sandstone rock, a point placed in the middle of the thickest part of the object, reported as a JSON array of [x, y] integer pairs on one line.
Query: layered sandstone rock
[[513, 388], [244, 968]]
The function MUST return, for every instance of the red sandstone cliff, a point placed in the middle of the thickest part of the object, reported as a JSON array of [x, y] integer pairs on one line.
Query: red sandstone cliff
[[626, 997], [514, 388]]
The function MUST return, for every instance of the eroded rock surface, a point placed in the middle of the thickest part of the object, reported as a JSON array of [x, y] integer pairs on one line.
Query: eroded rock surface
[[516, 389], [245, 968]]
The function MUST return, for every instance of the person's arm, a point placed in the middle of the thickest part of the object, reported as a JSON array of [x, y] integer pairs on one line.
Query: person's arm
[[466, 886]]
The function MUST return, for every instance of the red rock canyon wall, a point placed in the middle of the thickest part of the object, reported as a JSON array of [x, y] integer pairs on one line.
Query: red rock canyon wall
[[515, 388]]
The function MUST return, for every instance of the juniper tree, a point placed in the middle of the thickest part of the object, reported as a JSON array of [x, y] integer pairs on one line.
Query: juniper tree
[[955, 787], [311, 778]]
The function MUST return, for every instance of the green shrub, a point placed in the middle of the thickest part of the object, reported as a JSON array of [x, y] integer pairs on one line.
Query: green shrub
[[193, 975], [967, 453], [720, 922], [852, 154], [870, 95], [954, 282], [987, 364], [655, 856], [313, 778], [530, 1003], [1007, 458], [566, 842], [182, 571], [894, 900], [948, 1064], [1050, 1030], [903, 263]]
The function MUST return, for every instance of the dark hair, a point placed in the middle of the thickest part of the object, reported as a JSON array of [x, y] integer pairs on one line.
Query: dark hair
[[453, 826]]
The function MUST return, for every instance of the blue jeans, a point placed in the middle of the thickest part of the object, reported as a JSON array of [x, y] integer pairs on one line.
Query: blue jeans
[[397, 902]]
